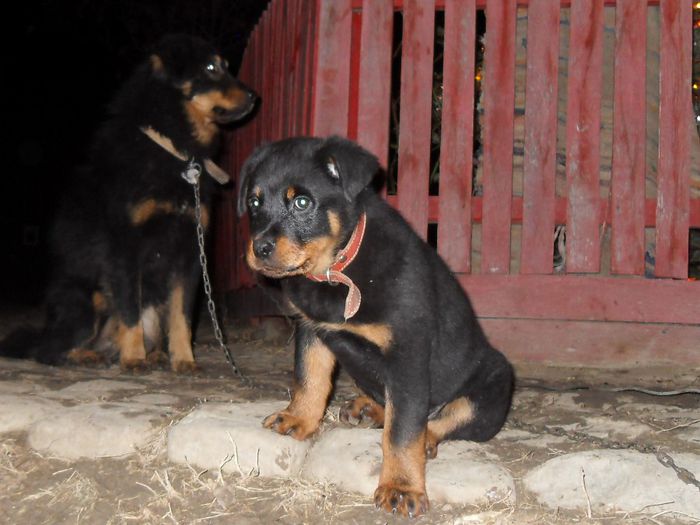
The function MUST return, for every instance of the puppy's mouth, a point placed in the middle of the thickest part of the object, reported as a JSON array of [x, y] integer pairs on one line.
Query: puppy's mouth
[[278, 272], [222, 115]]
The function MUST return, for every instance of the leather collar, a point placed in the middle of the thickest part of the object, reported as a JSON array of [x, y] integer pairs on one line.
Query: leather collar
[[334, 273], [216, 173]]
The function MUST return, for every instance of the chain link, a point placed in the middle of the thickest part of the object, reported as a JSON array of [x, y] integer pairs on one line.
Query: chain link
[[191, 175]]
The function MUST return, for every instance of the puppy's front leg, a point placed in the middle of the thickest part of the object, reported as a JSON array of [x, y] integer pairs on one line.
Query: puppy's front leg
[[402, 480], [313, 371]]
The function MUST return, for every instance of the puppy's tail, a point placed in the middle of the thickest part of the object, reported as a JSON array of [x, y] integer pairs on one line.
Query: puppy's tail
[[23, 343]]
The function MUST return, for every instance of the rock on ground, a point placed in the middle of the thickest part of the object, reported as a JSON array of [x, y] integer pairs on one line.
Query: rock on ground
[[351, 459], [614, 480], [96, 430], [230, 436]]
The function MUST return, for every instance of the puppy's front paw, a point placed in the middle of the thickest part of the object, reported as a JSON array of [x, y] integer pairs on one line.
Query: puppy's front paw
[[290, 425], [363, 411], [184, 367], [406, 501]]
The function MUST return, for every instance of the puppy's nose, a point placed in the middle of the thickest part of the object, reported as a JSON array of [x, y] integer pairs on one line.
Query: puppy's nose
[[263, 248]]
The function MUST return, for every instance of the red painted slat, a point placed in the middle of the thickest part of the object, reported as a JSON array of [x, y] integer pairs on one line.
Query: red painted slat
[[332, 78], [374, 96], [455, 225], [415, 112], [584, 298], [539, 173], [280, 32], [629, 139], [292, 65], [675, 121], [355, 52], [310, 65], [498, 102], [583, 135]]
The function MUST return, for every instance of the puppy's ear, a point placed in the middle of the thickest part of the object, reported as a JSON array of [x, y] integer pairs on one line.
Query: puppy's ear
[[249, 166], [350, 165], [157, 66]]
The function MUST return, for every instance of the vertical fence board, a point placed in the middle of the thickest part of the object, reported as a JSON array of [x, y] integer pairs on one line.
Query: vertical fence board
[[499, 102], [455, 224], [583, 136], [540, 137], [355, 57], [375, 77], [332, 77], [675, 121], [629, 139], [415, 112], [309, 38]]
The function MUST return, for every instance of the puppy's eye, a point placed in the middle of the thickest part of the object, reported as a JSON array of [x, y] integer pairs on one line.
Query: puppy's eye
[[253, 203], [302, 202], [214, 69]]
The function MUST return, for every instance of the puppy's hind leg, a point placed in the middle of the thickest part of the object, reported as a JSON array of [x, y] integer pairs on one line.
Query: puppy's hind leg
[[481, 408], [180, 331], [70, 323]]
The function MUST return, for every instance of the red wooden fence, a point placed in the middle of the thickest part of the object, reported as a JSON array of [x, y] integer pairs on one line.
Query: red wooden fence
[[324, 67]]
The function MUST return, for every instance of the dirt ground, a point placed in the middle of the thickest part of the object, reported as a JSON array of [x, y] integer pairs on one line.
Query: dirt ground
[[146, 488]]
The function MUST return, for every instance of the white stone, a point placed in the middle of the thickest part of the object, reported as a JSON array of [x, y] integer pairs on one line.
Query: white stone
[[19, 412], [155, 399], [606, 427], [94, 390], [615, 480], [95, 430], [459, 475], [231, 436], [351, 459]]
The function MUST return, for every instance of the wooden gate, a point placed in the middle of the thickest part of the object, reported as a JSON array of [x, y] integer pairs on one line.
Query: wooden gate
[[623, 296]]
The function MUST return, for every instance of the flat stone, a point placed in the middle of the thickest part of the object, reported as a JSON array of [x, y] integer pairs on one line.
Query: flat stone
[[529, 439], [230, 436], [20, 412], [351, 459], [606, 427], [96, 430], [155, 399], [615, 480], [459, 475], [16, 387], [95, 390]]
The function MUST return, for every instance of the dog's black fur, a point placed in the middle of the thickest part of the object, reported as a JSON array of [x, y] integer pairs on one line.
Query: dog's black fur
[[124, 246], [414, 347]]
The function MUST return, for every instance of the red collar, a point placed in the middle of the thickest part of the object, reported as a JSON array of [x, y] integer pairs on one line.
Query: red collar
[[334, 273]]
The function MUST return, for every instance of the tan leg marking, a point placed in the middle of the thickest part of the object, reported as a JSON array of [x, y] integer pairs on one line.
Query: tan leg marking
[[303, 415], [132, 352], [453, 415], [402, 480], [179, 333]]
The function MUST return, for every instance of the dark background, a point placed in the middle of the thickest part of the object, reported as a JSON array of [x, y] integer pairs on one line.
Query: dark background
[[62, 62]]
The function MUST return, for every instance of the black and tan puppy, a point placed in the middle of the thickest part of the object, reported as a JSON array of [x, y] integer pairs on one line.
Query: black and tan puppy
[[370, 295], [124, 245]]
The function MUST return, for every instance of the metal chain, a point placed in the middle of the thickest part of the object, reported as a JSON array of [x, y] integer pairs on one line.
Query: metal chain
[[191, 175]]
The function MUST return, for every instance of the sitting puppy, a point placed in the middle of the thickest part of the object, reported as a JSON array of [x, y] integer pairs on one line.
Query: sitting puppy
[[124, 242], [372, 296]]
